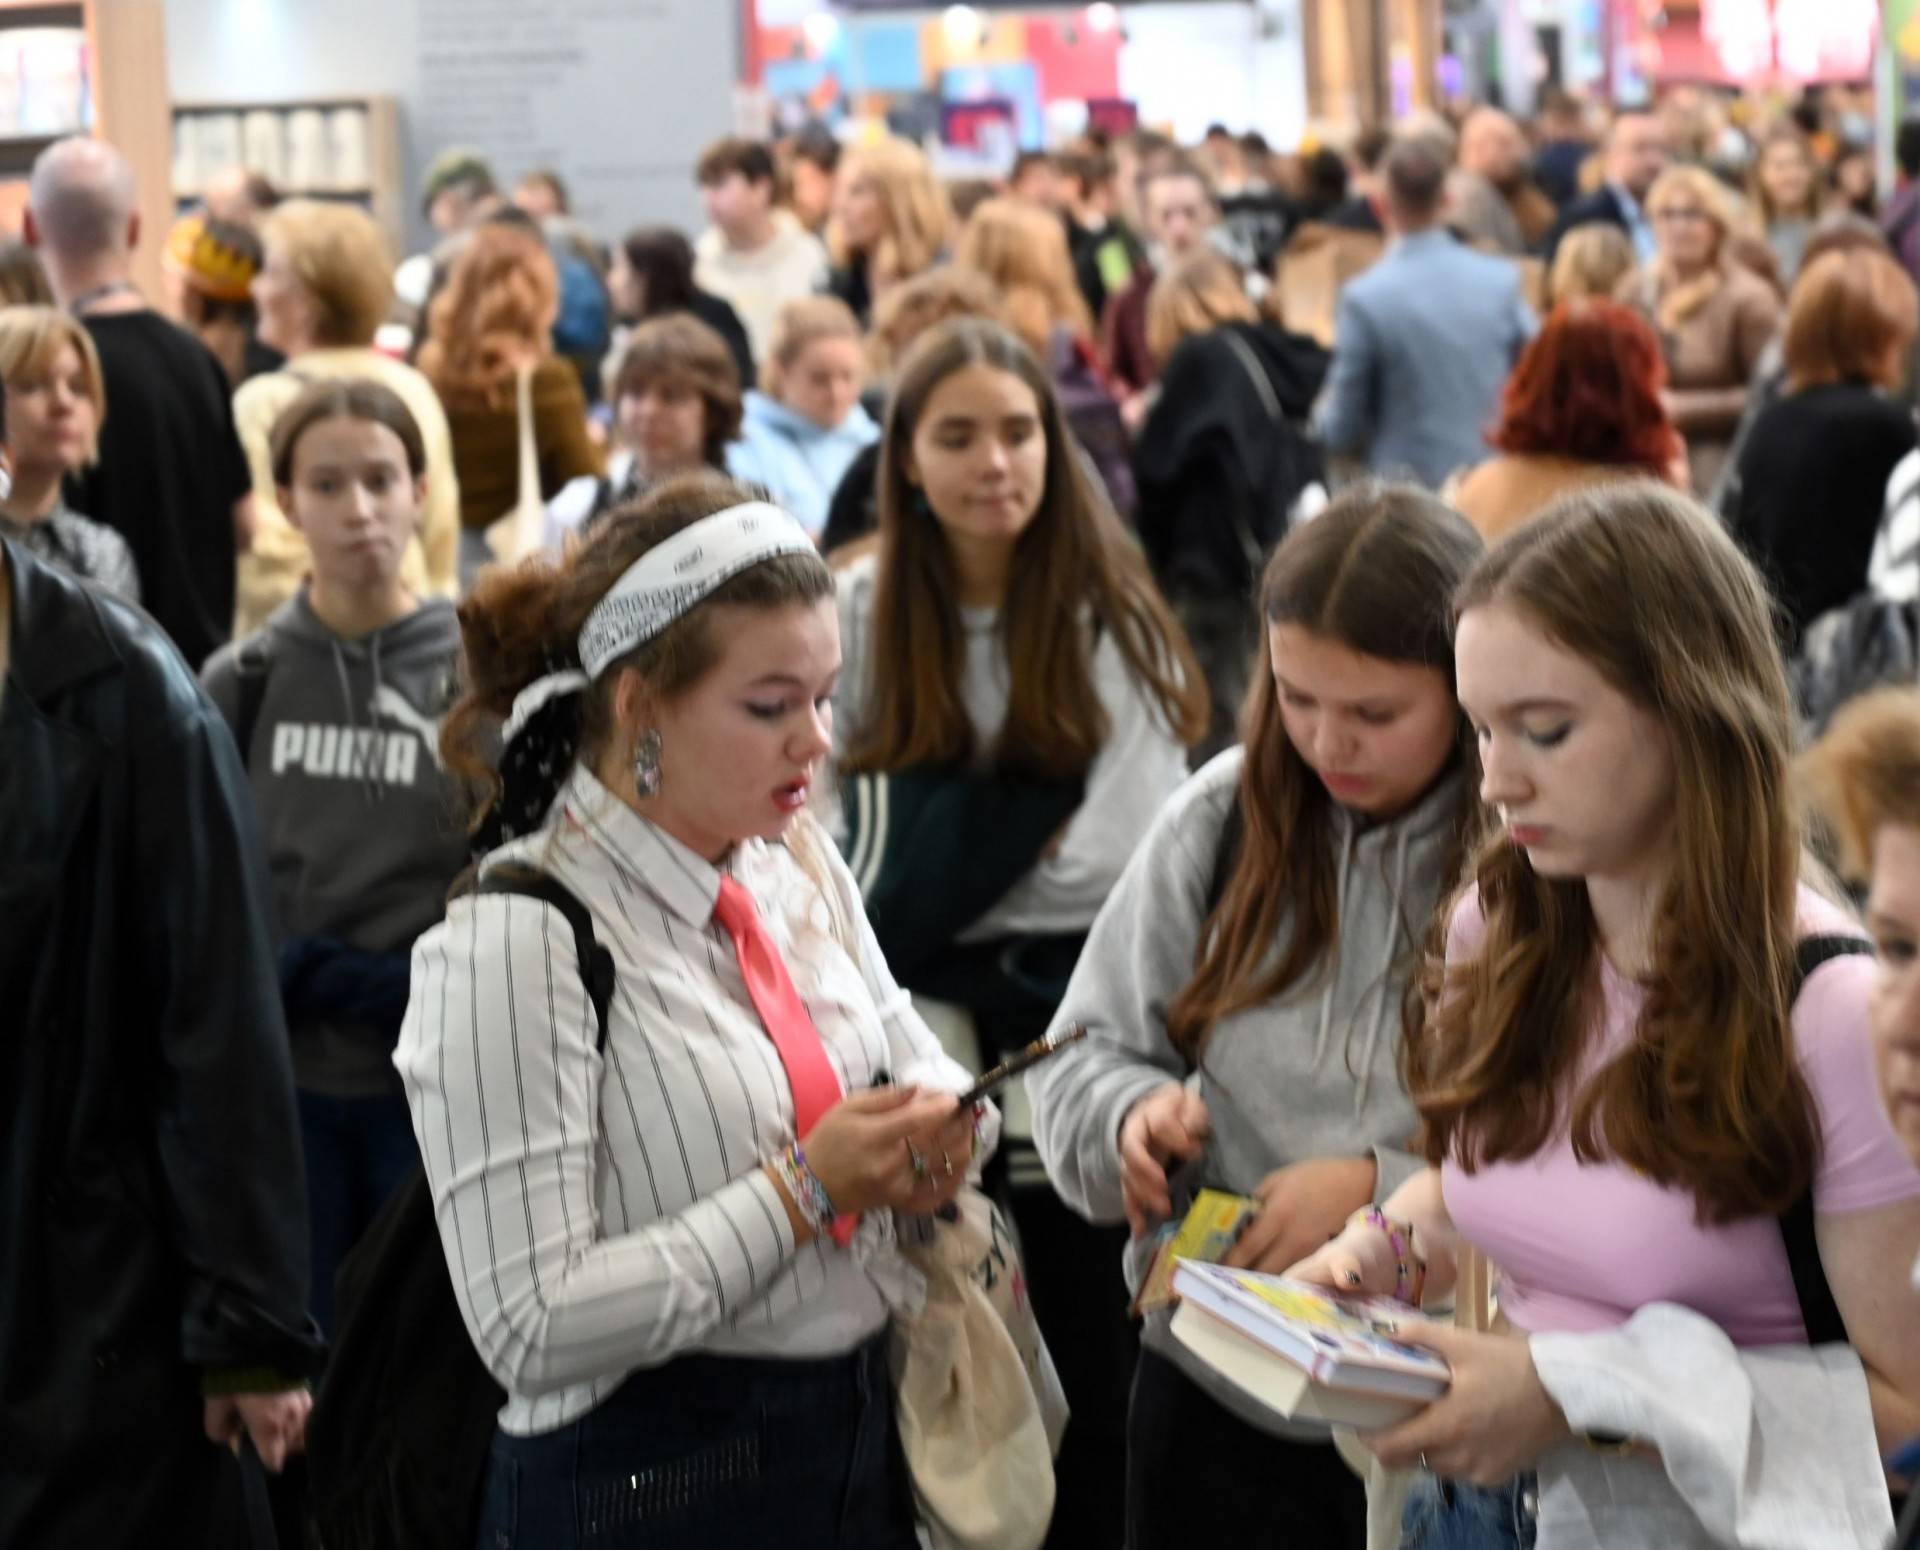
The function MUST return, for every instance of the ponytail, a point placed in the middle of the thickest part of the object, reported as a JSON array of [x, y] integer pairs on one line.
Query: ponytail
[[513, 628]]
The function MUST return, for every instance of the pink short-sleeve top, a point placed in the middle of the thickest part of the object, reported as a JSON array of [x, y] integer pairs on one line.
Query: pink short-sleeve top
[[1582, 1246]]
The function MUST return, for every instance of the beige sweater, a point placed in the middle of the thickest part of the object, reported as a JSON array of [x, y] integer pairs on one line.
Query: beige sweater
[[271, 573]]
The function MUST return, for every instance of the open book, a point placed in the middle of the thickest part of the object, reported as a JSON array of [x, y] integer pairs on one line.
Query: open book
[[1304, 1353]]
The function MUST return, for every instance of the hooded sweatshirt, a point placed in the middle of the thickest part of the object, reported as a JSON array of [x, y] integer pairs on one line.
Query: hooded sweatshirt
[[358, 816], [1312, 1074], [800, 464]]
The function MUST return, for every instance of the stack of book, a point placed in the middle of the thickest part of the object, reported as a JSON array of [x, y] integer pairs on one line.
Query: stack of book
[[1304, 1353]]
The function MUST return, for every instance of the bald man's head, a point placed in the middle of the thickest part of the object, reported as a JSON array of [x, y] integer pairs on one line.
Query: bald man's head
[[82, 200]]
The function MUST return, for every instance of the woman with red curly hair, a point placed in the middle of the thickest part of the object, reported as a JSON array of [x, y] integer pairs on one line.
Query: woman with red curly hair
[[1583, 405], [490, 327]]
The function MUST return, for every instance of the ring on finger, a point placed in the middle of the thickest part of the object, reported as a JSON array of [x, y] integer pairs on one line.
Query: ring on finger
[[946, 1161], [916, 1162]]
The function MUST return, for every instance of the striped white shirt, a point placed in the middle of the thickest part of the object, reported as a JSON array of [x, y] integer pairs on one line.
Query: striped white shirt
[[604, 1214]]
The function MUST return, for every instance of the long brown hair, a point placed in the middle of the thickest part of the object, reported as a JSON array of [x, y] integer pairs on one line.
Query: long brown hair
[[1072, 556], [1376, 571], [1642, 584], [914, 209], [492, 317], [520, 622], [1023, 250]]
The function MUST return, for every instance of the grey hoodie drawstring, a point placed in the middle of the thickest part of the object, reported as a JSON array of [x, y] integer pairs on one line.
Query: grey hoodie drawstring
[[1394, 923], [1340, 916]]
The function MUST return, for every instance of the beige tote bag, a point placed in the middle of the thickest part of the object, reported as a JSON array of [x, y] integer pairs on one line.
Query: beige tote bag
[[1387, 1488], [523, 529]]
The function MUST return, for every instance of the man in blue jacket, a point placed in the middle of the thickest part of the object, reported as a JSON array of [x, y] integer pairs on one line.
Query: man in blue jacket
[[1424, 340]]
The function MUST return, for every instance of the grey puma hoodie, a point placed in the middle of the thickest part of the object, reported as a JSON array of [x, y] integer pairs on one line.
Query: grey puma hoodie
[[344, 760], [1310, 1075]]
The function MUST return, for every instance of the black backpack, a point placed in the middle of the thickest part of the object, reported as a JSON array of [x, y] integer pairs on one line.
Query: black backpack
[[397, 1443]]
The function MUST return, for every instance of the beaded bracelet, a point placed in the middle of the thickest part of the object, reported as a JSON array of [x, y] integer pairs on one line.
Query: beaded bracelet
[[1409, 1269], [809, 1194]]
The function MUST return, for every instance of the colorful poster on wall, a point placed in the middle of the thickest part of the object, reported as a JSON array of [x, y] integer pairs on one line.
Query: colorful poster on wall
[[1018, 84], [886, 56]]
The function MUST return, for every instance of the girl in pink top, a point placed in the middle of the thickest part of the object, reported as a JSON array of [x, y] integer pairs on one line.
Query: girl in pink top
[[1619, 1086]]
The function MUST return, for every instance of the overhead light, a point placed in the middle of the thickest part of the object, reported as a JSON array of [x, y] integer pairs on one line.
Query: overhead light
[[1102, 17], [960, 25], [820, 29]]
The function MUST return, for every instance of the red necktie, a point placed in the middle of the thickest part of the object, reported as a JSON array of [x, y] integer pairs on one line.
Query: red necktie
[[784, 1015]]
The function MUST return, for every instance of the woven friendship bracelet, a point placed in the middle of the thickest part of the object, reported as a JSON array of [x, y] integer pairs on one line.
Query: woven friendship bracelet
[[809, 1194], [1409, 1269]]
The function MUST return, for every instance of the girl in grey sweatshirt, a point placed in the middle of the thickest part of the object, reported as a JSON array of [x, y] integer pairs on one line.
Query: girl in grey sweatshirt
[[1244, 989], [336, 704]]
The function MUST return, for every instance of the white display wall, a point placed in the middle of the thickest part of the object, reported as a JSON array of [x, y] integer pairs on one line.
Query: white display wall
[[620, 95]]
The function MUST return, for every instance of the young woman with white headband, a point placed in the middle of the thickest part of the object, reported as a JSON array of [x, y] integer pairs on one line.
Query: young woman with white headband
[[678, 1256]]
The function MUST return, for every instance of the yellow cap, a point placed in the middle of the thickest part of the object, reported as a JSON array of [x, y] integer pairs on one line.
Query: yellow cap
[[212, 267]]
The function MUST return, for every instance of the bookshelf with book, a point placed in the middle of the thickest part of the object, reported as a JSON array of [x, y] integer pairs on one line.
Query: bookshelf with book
[[344, 148], [87, 67]]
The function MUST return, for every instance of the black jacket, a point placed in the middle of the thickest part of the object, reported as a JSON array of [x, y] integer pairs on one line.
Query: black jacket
[[153, 1216], [1224, 454], [1600, 208], [718, 314]]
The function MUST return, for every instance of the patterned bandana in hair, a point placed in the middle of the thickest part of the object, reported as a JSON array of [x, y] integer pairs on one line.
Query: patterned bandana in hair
[[542, 732]]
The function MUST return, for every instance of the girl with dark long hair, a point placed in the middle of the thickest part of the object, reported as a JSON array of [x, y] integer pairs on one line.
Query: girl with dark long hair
[[1015, 704], [1245, 987], [1007, 629]]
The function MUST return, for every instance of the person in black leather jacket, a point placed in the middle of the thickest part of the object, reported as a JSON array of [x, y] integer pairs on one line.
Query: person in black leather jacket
[[153, 1237]]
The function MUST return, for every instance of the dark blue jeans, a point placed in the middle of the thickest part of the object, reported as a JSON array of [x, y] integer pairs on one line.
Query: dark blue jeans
[[1446, 1515], [712, 1451], [359, 1151]]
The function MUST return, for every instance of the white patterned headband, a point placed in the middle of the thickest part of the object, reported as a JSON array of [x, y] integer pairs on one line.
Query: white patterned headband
[[669, 580]]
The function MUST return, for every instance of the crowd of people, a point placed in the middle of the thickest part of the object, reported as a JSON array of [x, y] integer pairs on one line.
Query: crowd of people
[[1412, 644]]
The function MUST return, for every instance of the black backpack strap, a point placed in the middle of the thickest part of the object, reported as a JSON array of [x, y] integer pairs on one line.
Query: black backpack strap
[[251, 665], [596, 963], [1818, 1310]]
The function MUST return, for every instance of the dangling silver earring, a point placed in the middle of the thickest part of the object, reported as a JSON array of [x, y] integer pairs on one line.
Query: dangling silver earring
[[646, 763]]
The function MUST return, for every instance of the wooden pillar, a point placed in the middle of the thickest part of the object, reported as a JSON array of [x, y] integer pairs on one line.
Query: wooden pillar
[[132, 111], [1350, 47]]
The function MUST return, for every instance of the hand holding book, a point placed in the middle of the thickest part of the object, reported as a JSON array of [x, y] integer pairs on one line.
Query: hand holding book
[[1494, 1421], [1169, 1125], [1300, 1208]]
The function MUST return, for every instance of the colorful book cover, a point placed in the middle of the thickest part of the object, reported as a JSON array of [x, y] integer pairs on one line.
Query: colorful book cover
[[1325, 1335], [1211, 1227]]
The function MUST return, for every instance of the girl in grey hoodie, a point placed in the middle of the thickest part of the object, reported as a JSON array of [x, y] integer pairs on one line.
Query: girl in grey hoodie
[[1244, 990], [336, 704]]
